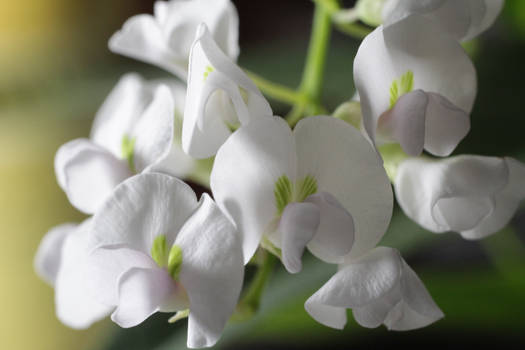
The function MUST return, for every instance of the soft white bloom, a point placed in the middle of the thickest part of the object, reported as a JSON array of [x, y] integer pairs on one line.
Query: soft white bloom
[[463, 19], [61, 261], [220, 96], [473, 195], [156, 249], [380, 288], [132, 131], [165, 38], [320, 186], [416, 85], [177, 162]]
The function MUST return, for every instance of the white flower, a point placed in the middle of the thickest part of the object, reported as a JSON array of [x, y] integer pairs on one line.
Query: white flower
[[61, 261], [165, 38], [220, 96], [416, 85], [321, 186], [177, 163], [473, 195], [132, 131], [380, 288], [463, 19], [157, 249]]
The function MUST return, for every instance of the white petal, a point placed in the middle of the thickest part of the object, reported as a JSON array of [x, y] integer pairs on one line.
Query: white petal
[[244, 174], [451, 16], [406, 122], [106, 265], [420, 309], [140, 209], [489, 15], [374, 314], [335, 236], [211, 71], [381, 289], [75, 307], [330, 316], [361, 281], [505, 205], [154, 131], [142, 38], [450, 194], [226, 32], [212, 271], [298, 225], [388, 53], [49, 253], [329, 149], [119, 113], [88, 173], [175, 163], [463, 19], [446, 125], [141, 293]]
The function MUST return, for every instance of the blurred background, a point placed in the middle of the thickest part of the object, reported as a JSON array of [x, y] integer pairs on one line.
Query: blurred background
[[55, 71]]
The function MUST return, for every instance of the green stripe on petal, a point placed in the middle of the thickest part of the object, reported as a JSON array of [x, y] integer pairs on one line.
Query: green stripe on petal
[[306, 187], [175, 261], [207, 72], [128, 151], [283, 193], [401, 86], [158, 250]]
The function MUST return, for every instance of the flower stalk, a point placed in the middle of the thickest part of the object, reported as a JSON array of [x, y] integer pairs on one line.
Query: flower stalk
[[313, 75], [251, 300]]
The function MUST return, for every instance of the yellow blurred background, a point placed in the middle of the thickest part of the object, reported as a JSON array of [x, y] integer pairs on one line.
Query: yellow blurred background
[[39, 40]]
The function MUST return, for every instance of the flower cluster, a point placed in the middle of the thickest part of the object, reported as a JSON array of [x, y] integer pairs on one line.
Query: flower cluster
[[280, 185]]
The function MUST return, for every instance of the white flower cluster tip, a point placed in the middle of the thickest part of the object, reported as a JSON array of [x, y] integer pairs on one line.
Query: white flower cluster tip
[[150, 246]]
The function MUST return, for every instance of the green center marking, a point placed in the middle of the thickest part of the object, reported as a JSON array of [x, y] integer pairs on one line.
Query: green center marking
[[207, 72], [171, 259], [401, 86], [285, 191], [128, 151]]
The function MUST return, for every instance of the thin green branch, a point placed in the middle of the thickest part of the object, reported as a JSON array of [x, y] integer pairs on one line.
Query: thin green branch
[[355, 30], [251, 300], [276, 91], [344, 20], [314, 69]]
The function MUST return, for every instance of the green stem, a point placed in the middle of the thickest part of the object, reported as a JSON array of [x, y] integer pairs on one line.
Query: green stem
[[276, 91], [314, 69], [355, 30], [312, 82], [251, 300]]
